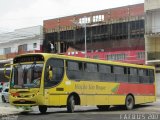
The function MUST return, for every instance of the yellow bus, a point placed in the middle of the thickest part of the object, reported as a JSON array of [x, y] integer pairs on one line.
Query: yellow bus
[[51, 80]]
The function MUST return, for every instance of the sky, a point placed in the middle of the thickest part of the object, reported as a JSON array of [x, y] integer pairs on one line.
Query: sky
[[16, 14]]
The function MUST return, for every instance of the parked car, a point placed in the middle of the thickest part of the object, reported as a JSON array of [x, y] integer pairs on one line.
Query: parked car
[[5, 84], [5, 94], [1, 88]]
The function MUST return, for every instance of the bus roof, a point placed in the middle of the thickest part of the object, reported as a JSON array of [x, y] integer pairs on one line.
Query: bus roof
[[51, 55]]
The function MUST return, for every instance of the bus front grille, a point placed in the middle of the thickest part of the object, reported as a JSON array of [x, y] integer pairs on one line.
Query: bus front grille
[[24, 102]]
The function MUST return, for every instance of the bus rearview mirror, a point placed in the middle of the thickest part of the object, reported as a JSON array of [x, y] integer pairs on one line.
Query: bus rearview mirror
[[7, 75]]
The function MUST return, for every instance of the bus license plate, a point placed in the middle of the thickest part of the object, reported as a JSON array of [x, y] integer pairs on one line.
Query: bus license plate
[[22, 100]]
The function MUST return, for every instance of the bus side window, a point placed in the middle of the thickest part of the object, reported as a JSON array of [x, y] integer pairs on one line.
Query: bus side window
[[72, 65], [133, 75], [80, 65], [112, 70], [74, 70], [128, 71], [84, 66], [151, 73], [118, 70], [91, 67], [140, 72], [151, 76], [125, 70], [104, 68], [143, 75]]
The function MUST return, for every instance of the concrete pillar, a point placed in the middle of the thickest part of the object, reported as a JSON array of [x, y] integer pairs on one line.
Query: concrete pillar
[[158, 83]]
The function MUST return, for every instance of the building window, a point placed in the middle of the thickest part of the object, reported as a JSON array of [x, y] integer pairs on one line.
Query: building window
[[98, 18], [95, 57], [34, 45], [141, 55], [22, 47], [116, 57], [84, 20], [7, 50]]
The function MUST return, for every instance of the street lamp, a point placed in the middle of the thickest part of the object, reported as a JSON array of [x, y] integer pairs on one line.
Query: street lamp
[[83, 24]]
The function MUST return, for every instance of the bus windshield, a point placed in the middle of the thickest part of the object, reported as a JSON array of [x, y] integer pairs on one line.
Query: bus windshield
[[26, 75]]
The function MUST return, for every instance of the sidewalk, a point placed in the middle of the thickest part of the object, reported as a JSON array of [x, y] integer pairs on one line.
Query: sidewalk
[[158, 99], [10, 110]]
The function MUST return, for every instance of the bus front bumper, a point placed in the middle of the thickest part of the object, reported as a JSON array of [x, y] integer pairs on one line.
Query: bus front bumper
[[30, 101]]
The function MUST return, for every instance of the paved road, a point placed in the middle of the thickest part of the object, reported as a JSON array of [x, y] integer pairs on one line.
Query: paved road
[[142, 112], [91, 113]]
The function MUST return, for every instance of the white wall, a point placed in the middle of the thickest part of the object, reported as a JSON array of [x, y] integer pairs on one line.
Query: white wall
[[152, 24], [156, 21], [151, 4], [158, 83], [152, 44], [14, 45], [148, 22], [152, 11], [30, 30], [30, 45], [1, 51], [22, 36]]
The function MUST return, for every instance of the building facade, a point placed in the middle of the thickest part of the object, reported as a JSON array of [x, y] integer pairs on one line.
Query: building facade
[[152, 36], [110, 30], [20, 41], [132, 56]]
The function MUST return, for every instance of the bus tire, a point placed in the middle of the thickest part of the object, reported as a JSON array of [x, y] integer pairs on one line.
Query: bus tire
[[42, 109], [129, 102], [71, 104], [103, 107], [3, 99]]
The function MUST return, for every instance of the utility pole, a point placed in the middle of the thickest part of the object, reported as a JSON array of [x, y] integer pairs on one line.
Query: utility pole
[[85, 39], [84, 25]]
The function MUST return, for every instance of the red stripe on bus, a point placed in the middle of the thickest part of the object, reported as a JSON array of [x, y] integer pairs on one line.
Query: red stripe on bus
[[137, 89]]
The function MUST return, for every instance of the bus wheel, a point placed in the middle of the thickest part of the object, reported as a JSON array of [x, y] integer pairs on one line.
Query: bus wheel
[[129, 103], [43, 109], [71, 104], [103, 107], [3, 99]]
